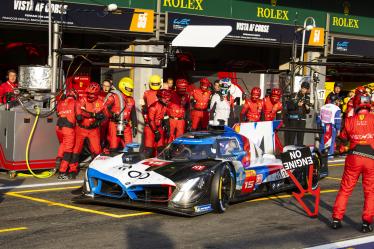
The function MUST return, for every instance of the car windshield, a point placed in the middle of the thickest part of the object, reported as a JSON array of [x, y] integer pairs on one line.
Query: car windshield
[[182, 151]]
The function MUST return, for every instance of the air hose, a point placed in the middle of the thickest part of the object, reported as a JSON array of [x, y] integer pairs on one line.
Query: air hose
[[45, 174]]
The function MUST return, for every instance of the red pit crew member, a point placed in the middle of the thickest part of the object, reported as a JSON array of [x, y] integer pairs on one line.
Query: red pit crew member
[[177, 110], [272, 105], [7, 88], [106, 87], [90, 112], [252, 107], [359, 131], [126, 85], [200, 99], [154, 131], [65, 130], [150, 96]]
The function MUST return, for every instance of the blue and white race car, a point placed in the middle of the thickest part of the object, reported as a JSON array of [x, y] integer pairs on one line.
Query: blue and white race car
[[197, 173]]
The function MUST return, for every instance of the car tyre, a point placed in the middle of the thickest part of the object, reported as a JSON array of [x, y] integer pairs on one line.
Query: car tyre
[[222, 188], [316, 174]]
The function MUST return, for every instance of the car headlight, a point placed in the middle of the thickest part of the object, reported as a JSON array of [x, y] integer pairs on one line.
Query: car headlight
[[86, 183], [190, 190]]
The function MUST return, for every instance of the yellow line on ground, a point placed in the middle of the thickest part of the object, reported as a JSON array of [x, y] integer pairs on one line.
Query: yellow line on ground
[[333, 178], [43, 190], [274, 197], [52, 203], [134, 214], [337, 179], [12, 229], [336, 165]]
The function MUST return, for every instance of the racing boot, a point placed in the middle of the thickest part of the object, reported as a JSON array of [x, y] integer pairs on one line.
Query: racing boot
[[62, 176], [336, 224], [366, 227], [73, 175]]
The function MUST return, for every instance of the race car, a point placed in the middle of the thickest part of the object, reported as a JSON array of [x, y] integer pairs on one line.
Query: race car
[[197, 173]]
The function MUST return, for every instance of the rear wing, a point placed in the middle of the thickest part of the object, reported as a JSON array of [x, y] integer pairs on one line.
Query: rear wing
[[261, 136]]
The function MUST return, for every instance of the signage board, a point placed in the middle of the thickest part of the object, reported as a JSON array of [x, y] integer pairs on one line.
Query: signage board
[[294, 159], [317, 37], [74, 15], [241, 29], [344, 46]]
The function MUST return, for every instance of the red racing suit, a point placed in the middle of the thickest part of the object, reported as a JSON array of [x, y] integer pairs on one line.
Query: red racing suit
[[156, 112], [270, 109], [200, 112], [359, 130], [65, 130], [350, 109], [252, 110], [177, 111], [7, 87], [104, 125], [149, 98], [128, 111], [88, 121]]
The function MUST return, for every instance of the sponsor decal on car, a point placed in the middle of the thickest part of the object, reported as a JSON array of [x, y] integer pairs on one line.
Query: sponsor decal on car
[[259, 178], [249, 182], [155, 163], [198, 167], [203, 208]]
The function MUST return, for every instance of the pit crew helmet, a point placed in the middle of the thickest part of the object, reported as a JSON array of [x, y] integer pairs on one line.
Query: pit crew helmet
[[92, 91], [204, 84], [181, 86], [360, 90], [126, 85], [362, 102], [164, 96], [275, 95], [155, 82], [255, 93], [224, 85]]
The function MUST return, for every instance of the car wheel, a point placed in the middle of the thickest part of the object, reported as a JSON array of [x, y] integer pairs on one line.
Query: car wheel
[[316, 174], [222, 188]]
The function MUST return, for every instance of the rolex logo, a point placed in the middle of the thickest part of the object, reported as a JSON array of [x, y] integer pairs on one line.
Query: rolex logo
[[274, 2]]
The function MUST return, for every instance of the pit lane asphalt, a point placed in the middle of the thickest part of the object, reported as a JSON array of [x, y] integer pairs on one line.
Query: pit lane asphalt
[[45, 217]]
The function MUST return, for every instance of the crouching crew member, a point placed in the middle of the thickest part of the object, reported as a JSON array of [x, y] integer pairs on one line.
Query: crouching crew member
[[359, 131], [65, 130], [252, 108]]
